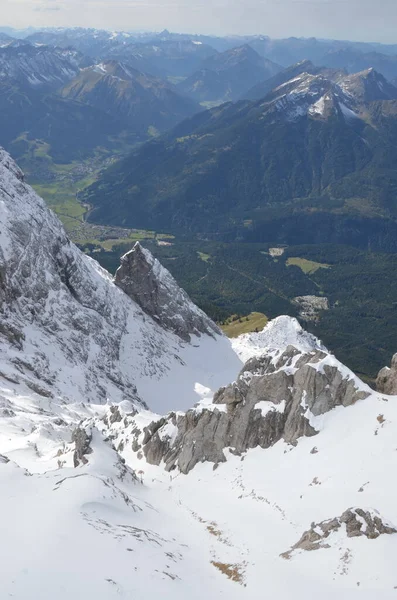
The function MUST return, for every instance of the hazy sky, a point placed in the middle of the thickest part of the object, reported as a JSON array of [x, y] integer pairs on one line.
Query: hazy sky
[[372, 20]]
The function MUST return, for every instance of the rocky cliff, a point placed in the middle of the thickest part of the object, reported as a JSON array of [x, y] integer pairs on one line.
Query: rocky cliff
[[386, 382], [153, 288], [279, 395]]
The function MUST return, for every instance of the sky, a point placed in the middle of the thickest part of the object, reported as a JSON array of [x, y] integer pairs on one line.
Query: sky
[[366, 20]]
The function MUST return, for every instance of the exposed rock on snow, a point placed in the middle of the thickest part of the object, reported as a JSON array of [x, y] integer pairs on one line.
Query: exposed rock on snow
[[82, 440], [274, 398], [358, 522], [153, 288], [326, 94], [386, 382]]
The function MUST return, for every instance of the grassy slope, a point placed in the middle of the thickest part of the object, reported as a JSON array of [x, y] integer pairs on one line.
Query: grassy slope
[[253, 322]]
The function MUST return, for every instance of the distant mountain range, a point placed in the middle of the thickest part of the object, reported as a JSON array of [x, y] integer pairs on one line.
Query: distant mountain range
[[162, 56], [36, 67], [168, 51], [65, 93], [224, 76], [136, 98], [57, 97], [210, 69], [313, 160]]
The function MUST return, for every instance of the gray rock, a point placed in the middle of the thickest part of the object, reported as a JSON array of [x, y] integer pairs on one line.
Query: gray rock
[[358, 523], [386, 382], [82, 440], [311, 306], [291, 390], [150, 285]]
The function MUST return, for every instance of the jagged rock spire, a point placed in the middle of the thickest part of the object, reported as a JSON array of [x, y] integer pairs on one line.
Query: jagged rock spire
[[153, 288]]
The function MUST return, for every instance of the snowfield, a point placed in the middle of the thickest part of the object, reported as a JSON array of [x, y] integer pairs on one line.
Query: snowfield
[[96, 531]]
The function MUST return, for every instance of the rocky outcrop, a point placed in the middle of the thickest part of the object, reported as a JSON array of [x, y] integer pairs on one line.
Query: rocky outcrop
[[273, 398], [153, 288], [358, 522], [310, 307], [82, 440], [386, 382]]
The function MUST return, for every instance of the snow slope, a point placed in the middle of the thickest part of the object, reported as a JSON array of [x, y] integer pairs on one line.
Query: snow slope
[[276, 336], [96, 531]]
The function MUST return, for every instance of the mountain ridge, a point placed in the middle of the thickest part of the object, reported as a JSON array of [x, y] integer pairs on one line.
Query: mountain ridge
[[224, 76], [140, 100], [311, 143]]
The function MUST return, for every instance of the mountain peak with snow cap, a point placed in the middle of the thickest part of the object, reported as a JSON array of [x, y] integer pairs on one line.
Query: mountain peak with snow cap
[[323, 93], [368, 86]]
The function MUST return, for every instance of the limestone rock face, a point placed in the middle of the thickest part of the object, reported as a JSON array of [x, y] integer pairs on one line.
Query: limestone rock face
[[386, 382], [358, 522], [153, 288], [82, 439], [273, 398]]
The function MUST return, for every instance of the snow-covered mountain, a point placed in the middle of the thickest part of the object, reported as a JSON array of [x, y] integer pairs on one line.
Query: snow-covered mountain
[[37, 66], [321, 95], [280, 481], [91, 42]]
